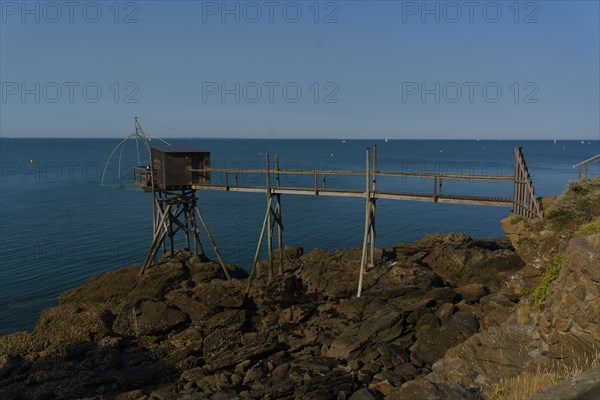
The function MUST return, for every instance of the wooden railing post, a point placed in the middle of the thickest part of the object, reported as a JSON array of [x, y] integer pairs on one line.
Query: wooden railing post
[[526, 204]]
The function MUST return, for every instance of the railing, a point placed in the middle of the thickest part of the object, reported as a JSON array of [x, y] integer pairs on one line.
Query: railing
[[232, 176], [584, 165], [525, 202], [142, 176]]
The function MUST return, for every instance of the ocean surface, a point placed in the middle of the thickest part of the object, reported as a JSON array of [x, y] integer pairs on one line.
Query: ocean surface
[[59, 226]]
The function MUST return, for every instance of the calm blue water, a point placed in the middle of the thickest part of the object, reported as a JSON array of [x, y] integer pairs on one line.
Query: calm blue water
[[59, 226]]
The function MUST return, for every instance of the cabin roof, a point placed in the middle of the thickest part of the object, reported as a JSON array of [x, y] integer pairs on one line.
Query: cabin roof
[[179, 149]]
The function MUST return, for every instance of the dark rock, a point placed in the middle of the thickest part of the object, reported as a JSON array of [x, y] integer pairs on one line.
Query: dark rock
[[152, 317], [255, 373], [284, 291], [472, 263], [423, 389], [327, 386], [292, 252], [230, 319], [157, 281], [78, 349], [107, 287], [432, 342], [360, 339], [365, 394], [472, 292]]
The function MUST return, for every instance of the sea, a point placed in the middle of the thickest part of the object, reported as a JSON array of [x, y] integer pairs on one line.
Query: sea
[[68, 212]]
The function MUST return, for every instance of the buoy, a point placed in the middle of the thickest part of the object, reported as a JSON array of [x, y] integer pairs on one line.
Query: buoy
[[30, 161]]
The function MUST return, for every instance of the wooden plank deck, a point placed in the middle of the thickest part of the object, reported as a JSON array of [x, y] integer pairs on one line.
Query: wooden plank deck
[[444, 198]]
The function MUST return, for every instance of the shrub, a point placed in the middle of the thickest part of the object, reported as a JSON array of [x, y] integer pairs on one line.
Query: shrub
[[549, 276], [579, 204]]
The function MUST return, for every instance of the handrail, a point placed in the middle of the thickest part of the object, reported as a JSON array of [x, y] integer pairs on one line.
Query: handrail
[[358, 172], [591, 160], [585, 164]]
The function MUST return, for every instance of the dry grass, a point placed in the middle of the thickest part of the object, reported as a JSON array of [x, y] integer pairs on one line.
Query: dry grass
[[579, 204], [529, 383], [589, 228]]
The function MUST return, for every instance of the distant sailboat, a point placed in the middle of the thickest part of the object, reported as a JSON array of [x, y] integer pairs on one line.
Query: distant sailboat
[[554, 141]]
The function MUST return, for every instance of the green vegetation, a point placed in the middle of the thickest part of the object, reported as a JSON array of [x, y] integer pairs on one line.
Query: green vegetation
[[515, 219], [526, 292], [549, 276], [529, 224], [589, 228], [579, 204]]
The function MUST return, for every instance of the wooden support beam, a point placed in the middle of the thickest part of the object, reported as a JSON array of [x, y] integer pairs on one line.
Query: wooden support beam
[[279, 221], [157, 240], [363, 258], [372, 201], [269, 224], [212, 242], [258, 246]]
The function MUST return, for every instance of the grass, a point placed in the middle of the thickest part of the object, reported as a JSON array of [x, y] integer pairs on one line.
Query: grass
[[549, 276], [590, 228], [529, 224], [529, 383], [578, 205]]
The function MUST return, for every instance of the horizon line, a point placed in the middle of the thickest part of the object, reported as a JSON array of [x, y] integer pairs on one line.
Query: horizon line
[[290, 138]]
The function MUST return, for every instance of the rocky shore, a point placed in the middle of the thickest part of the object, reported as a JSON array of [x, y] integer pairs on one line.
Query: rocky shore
[[442, 318]]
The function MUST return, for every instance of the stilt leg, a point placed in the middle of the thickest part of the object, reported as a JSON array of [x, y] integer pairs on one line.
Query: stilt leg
[[214, 245], [257, 254]]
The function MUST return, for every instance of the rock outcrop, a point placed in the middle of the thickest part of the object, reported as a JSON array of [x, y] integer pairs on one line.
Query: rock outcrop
[[520, 335], [182, 329]]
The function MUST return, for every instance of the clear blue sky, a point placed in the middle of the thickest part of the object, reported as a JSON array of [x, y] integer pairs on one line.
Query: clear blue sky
[[384, 69]]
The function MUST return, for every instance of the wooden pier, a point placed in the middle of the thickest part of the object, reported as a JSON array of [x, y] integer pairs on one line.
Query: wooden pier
[[176, 173], [175, 206]]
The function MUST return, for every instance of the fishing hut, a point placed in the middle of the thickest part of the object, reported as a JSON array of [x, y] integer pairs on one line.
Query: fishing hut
[[180, 167], [171, 177]]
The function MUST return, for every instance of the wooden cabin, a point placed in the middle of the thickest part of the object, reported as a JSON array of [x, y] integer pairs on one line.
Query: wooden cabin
[[179, 167]]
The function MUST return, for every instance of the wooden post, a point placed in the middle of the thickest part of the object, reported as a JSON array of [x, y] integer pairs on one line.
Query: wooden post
[[260, 240], [269, 224], [363, 259], [159, 237], [187, 230], [226, 182], [212, 242], [373, 206], [516, 184], [171, 235], [279, 223], [435, 189]]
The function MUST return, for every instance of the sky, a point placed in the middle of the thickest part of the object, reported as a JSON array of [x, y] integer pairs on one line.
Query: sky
[[301, 69]]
